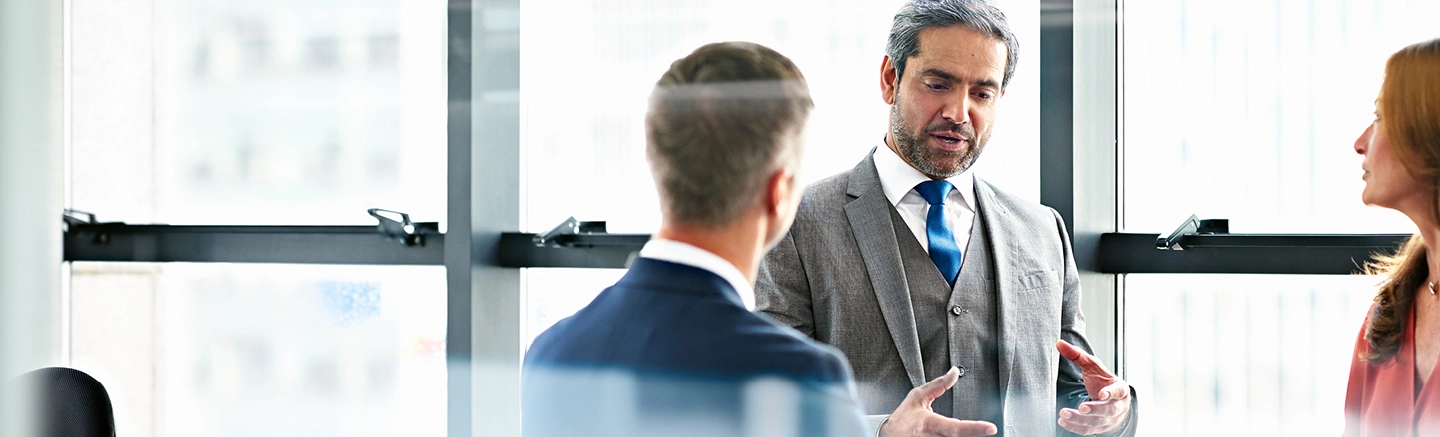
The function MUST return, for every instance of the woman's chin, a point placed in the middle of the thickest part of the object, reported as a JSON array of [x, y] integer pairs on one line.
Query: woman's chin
[[1371, 201]]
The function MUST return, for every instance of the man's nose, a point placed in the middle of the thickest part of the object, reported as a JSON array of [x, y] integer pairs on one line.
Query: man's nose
[[957, 111]]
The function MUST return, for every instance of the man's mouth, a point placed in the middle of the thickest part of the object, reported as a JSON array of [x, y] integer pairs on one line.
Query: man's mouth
[[949, 141]]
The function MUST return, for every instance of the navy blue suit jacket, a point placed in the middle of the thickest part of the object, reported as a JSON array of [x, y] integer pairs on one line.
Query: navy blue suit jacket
[[671, 350]]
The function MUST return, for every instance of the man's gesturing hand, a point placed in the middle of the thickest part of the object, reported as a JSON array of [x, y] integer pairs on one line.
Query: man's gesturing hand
[[915, 418], [1109, 404]]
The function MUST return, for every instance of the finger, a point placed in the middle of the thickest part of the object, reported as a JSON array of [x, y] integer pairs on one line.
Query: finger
[[1082, 429], [1087, 362], [1076, 421], [928, 392], [1102, 408], [948, 427], [1116, 391]]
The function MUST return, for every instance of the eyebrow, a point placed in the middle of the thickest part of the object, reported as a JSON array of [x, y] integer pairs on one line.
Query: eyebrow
[[951, 77]]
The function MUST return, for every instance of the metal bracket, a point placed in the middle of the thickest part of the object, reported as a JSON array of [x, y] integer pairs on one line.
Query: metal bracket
[[571, 244], [73, 217], [1192, 226], [76, 218], [563, 235], [403, 230]]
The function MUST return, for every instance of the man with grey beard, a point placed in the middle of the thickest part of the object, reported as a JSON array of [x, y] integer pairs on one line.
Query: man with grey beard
[[912, 266]]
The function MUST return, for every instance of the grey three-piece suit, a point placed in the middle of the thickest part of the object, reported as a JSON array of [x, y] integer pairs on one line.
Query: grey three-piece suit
[[851, 274]]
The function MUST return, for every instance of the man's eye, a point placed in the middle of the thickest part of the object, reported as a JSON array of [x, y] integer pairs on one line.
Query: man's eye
[[935, 86]]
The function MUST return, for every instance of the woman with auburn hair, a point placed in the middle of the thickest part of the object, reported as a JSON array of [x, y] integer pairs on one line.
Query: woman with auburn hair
[[1390, 391]]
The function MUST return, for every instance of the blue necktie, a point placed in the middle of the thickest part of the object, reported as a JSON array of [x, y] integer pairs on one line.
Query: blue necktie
[[942, 242]]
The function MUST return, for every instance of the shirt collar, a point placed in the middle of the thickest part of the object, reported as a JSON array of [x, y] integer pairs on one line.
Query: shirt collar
[[897, 178], [682, 253]]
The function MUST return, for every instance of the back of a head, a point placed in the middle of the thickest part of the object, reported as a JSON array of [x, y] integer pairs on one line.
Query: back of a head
[[721, 120], [1410, 108], [68, 402], [979, 15]]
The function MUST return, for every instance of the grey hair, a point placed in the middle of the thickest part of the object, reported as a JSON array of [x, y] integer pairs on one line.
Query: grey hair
[[720, 122], [919, 15]]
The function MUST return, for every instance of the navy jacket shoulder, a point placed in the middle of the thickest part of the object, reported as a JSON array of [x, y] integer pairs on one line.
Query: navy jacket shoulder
[[677, 319], [671, 350]]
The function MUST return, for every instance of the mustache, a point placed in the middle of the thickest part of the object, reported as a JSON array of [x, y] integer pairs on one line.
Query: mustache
[[963, 130]]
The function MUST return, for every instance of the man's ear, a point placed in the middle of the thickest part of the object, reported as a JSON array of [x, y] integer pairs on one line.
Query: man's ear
[[889, 81], [780, 192]]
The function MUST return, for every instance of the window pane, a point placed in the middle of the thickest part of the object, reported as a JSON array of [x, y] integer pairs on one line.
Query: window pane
[[1265, 355], [555, 294], [1249, 112], [257, 112], [584, 145], [241, 350]]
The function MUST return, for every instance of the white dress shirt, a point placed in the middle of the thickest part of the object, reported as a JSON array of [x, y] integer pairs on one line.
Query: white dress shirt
[[898, 179], [682, 253]]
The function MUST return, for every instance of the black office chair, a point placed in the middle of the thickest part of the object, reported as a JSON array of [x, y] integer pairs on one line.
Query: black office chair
[[69, 403]]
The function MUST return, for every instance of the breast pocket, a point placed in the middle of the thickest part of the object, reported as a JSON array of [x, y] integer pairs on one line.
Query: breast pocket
[[1035, 279], [1039, 294]]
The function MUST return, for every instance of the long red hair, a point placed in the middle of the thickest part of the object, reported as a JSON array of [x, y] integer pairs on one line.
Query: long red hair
[[1409, 107]]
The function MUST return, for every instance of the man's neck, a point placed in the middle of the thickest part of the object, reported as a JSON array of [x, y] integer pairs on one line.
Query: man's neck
[[738, 243]]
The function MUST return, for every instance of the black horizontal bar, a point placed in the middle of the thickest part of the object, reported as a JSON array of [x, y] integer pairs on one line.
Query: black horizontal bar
[[1306, 254], [247, 244], [631, 242], [605, 251], [1369, 241], [1119, 252]]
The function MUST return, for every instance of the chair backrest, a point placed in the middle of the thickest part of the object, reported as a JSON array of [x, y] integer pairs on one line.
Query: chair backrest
[[69, 403]]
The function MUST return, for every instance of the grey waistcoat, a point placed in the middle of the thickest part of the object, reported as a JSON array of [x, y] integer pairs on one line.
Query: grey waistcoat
[[967, 340]]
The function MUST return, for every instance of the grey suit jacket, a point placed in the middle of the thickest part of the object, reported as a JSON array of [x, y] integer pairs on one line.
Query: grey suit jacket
[[838, 276]]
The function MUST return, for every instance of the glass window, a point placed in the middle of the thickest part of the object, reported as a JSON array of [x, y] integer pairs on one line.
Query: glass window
[[557, 293], [584, 145], [258, 112], [265, 112], [1261, 354], [1249, 112], [263, 349]]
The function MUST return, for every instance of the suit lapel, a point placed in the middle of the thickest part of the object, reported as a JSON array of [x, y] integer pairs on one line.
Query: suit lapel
[[995, 216], [869, 215]]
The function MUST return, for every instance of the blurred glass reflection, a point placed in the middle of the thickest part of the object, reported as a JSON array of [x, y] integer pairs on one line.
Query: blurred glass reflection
[[610, 401], [243, 350]]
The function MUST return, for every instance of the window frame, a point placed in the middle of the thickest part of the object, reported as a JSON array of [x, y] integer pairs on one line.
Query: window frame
[[1081, 162]]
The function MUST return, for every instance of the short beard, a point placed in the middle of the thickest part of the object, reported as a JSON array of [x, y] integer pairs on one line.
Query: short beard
[[931, 162]]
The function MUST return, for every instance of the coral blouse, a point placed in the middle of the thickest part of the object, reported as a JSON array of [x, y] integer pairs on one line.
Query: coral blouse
[[1381, 400]]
